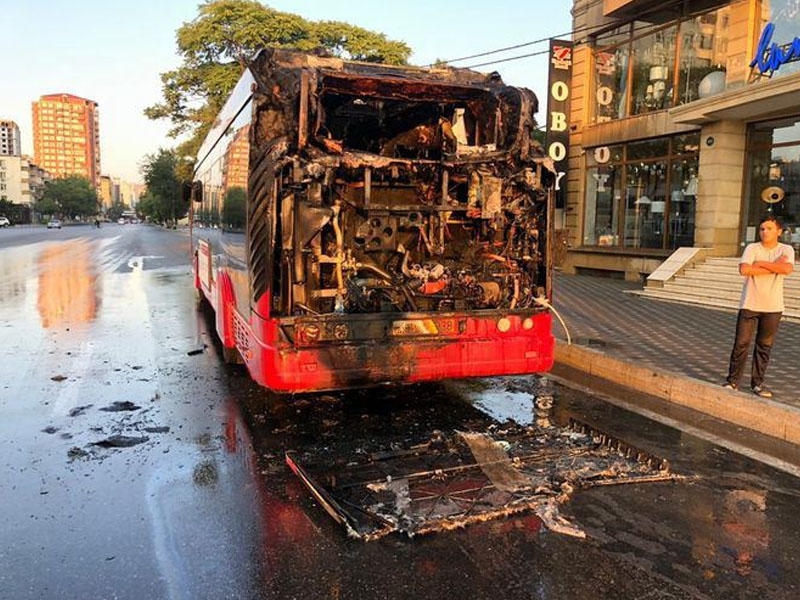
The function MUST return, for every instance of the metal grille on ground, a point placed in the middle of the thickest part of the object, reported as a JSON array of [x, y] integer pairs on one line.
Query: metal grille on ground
[[454, 480]]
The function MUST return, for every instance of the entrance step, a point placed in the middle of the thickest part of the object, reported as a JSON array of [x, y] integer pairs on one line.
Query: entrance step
[[690, 276]]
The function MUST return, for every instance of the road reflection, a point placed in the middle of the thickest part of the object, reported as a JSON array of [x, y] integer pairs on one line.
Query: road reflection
[[13, 268], [68, 292]]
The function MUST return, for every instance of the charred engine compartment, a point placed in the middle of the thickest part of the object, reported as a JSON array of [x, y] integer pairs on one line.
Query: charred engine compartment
[[407, 191], [382, 240]]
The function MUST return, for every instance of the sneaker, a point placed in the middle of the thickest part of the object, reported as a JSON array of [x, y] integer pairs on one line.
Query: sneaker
[[730, 386], [760, 390]]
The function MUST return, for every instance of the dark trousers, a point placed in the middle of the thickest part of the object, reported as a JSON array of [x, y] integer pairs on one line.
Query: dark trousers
[[765, 326]]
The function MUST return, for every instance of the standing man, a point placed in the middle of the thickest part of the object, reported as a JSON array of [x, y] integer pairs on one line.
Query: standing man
[[764, 265]]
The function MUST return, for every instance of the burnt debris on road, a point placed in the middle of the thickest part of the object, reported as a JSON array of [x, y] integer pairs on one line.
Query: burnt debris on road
[[454, 480]]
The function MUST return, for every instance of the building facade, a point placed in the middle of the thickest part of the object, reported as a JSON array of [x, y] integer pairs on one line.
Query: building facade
[[37, 178], [129, 193], [9, 138], [66, 136], [21, 184], [104, 192], [684, 129]]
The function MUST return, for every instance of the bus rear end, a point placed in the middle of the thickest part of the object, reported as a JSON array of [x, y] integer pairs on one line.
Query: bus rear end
[[397, 228]]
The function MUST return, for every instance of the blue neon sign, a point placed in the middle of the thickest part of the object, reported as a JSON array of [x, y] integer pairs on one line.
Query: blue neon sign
[[769, 56]]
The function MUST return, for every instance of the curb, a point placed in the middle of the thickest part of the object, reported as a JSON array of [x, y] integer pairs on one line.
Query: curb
[[745, 410]]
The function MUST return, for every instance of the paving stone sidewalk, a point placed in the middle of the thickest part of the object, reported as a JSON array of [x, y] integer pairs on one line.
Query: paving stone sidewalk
[[686, 340]]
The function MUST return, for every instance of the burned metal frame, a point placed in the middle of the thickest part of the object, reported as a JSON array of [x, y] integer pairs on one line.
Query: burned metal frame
[[394, 189], [453, 481]]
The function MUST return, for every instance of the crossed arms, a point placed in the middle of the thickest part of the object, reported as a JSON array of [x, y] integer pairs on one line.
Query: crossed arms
[[781, 266]]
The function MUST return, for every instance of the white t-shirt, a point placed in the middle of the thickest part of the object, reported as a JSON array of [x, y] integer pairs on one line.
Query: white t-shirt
[[764, 293]]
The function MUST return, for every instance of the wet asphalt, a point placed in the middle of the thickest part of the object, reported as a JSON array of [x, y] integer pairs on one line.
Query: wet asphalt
[[134, 464]]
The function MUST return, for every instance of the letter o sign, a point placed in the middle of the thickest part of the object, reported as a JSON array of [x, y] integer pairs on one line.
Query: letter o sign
[[559, 91], [604, 95], [602, 154], [557, 151]]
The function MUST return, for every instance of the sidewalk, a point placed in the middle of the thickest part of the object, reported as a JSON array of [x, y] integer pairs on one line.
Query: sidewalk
[[674, 351]]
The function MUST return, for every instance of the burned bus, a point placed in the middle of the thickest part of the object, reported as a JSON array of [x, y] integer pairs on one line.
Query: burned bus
[[358, 223]]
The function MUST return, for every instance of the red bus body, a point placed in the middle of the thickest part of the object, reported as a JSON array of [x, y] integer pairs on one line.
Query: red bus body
[[357, 224]]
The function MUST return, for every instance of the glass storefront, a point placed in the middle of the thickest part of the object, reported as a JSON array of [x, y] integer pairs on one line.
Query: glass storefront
[[772, 178], [640, 68], [642, 194], [772, 185]]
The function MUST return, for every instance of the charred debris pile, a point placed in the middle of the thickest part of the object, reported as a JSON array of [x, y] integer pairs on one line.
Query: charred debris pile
[[455, 480]]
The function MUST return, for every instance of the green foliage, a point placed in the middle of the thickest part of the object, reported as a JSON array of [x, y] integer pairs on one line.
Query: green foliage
[[152, 208], [69, 197], [163, 202], [233, 209], [355, 43], [6, 206], [217, 45], [47, 206]]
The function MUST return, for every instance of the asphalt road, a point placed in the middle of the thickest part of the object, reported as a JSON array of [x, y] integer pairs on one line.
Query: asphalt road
[[133, 464]]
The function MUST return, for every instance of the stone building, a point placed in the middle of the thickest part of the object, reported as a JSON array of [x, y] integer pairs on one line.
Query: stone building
[[684, 129]]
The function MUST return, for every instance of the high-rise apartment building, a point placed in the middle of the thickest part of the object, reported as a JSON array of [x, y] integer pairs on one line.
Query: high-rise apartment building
[[66, 136], [9, 138]]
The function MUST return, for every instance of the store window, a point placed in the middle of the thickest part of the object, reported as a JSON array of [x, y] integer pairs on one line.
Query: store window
[[772, 185], [642, 194], [603, 196], [640, 68]]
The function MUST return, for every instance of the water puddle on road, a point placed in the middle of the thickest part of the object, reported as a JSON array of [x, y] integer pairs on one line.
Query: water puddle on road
[[505, 398]]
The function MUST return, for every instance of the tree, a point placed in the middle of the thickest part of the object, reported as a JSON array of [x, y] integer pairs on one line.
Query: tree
[[72, 196], [162, 202], [217, 45], [47, 205], [5, 206], [152, 208]]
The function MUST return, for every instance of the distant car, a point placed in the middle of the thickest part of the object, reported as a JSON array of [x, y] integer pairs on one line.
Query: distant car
[[121, 221], [4, 222], [54, 224]]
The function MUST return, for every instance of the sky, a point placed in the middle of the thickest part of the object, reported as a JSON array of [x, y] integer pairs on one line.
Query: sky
[[113, 52]]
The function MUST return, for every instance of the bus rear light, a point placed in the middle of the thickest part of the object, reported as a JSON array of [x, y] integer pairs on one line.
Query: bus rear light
[[527, 324], [414, 327], [503, 324]]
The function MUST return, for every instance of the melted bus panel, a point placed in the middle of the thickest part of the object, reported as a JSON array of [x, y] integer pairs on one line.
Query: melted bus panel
[[396, 227]]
